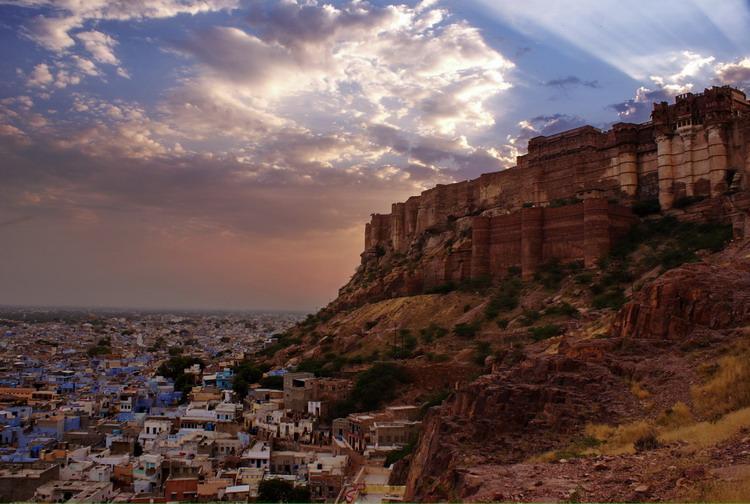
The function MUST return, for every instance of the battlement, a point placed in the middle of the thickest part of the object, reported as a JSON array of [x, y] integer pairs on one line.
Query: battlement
[[698, 146], [716, 105]]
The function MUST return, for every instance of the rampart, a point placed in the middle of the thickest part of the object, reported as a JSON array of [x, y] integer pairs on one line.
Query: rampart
[[698, 146]]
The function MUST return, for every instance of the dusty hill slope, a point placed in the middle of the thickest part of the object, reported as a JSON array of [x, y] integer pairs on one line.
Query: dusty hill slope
[[555, 367], [644, 415]]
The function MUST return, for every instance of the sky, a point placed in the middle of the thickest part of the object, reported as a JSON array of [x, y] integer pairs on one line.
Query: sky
[[228, 153]]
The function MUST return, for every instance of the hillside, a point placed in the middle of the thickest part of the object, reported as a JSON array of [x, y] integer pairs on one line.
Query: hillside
[[575, 327], [555, 367]]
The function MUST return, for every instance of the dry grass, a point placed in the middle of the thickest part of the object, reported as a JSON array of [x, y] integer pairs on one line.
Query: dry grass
[[619, 439], [727, 389], [637, 389], [543, 458], [709, 433], [720, 491], [677, 416]]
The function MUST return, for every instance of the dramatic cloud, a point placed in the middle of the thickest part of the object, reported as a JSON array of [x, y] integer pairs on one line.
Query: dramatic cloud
[[100, 46], [635, 40], [571, 81], [53, 29], [393, 65], [690, 72], [736, 74], [227, 153]]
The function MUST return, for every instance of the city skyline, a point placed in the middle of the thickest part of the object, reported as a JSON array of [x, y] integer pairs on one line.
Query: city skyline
[[227, 154]]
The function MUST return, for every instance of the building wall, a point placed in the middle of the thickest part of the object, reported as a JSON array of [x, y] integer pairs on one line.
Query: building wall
[[687, 149], [19, 481]]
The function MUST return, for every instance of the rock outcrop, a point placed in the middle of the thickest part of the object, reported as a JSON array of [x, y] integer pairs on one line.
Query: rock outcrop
[[693, 295], [505, 417]]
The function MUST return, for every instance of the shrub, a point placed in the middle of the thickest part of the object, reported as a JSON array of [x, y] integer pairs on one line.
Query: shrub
[[646, 443], [441, 357], [614, 299], [565, 309], [619, 436], [529, 317], [646, 207], [550, 274], [502, 303], [564, 202], [583, 278], [481, 352], [280, 490], [432, 332], [636, 388], [434, 400], [272, 382], [545, 332], [676, 416], [326, 366], [377, 385], [686, 201], [394, 456], [577, 447], [443, 288], [467, 330], [513, 271], [475, 284], [502, 323], [96, 350]]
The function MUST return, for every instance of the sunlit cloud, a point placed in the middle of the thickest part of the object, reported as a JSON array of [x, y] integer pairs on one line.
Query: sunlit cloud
[[206, 145], [631, 37]]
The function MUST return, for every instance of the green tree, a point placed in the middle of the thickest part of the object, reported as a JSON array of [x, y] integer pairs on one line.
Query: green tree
[[377, 385], [280, 490], [272, 382], [245, 373], [97, 350]]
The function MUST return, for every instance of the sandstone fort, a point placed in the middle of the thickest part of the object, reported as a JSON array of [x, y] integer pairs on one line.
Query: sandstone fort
[[568, 198]]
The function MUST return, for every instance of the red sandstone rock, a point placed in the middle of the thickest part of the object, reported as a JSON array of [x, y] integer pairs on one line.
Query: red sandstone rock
[[687, 297], [504, 417]]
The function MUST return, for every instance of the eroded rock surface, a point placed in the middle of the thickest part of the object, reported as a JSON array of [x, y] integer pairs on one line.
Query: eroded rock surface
[[693, 295]]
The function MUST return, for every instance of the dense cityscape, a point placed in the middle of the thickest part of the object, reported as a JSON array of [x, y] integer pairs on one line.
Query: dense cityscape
[[129, 407]]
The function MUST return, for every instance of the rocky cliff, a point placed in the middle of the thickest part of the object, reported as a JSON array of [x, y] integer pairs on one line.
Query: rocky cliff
[[505, 417], [692, 297], [546, 402]]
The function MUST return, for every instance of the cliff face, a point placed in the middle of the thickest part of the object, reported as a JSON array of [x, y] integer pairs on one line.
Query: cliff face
[[569, 199], [497, 422], [693, 297], [505, 417]]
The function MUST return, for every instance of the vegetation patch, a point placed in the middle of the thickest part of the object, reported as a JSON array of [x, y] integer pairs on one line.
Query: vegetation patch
[[614, 298], [686, 201], [394, 456], [728, 387], [482, 350], [467, 330], [564, 309], [545, 332], [432, 332], [560, 202], [646, 207]]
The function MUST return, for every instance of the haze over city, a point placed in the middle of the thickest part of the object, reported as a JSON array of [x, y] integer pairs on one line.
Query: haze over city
[[227, 153]]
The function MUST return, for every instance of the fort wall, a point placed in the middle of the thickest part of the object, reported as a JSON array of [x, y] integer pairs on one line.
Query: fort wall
[[697, 146]]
